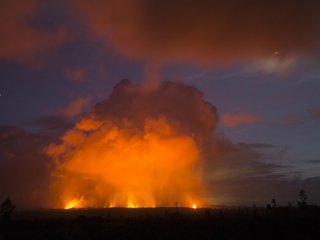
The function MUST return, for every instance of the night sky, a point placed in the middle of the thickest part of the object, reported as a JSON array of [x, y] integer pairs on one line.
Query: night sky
[[256, 62]]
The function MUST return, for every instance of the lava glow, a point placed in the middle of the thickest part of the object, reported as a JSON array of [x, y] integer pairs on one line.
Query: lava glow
[[122, 167], [131, 205], [74, 203]]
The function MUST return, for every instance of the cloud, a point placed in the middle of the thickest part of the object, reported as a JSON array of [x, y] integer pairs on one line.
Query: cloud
[[236, 119], [259, 190], [181, 104], [277, 64], [226, 159], [201, 32], [261, 145], [315, 113], [287, 120], [240, 173], [76, 107], [25, 169], [136, 123], [290, 120], [205, 31], [313, 161], [76, 74], [24, 32], [131, 134], [55, 124]]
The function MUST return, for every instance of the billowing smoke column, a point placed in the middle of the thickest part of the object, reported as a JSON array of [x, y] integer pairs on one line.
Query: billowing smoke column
[[139, 148]]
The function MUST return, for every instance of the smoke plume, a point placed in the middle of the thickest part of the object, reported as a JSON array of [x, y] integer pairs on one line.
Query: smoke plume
[[139, 148]]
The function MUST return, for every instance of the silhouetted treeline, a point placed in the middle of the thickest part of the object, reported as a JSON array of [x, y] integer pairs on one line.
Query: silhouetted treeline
[[166, 223]]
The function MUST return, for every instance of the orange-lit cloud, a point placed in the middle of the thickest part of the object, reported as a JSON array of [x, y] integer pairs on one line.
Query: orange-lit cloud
[[205, 31], [139, 148], [115, 167], [76, 107], [236, 119], [76, 75]]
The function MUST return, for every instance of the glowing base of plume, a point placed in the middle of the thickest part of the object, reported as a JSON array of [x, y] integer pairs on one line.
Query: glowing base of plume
[[152, 173], [131, 205], [74, 203], [77, 203]]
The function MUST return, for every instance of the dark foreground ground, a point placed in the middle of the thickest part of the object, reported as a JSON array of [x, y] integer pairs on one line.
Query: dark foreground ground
[[165, 223]]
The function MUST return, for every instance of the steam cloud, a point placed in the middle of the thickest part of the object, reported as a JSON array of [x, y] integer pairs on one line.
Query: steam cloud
[[140, 147]]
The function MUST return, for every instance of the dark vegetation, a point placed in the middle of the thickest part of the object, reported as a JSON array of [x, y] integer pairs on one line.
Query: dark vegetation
[[6, 209], [165, 223], [271, 222]]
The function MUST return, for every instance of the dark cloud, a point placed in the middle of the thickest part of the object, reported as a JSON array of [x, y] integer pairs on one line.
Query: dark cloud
[[260, 190], [25, 169], [63, 119], [242, 174], [315, 113], [287, 120], [313, 161], [202, 32], [75, 74], [261, 145], [205, 31], [236, 119], [55, 124], [290, 120], [182, 105], [26, 29], [226, 159]]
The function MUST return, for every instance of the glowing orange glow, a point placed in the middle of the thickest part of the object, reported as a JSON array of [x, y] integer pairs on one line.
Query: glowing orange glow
[[122, 167], [194, 206], [131, 205], [74, 203]]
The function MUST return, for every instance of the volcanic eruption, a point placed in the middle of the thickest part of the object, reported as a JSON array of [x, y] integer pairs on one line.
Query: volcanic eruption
[[139, 148]]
